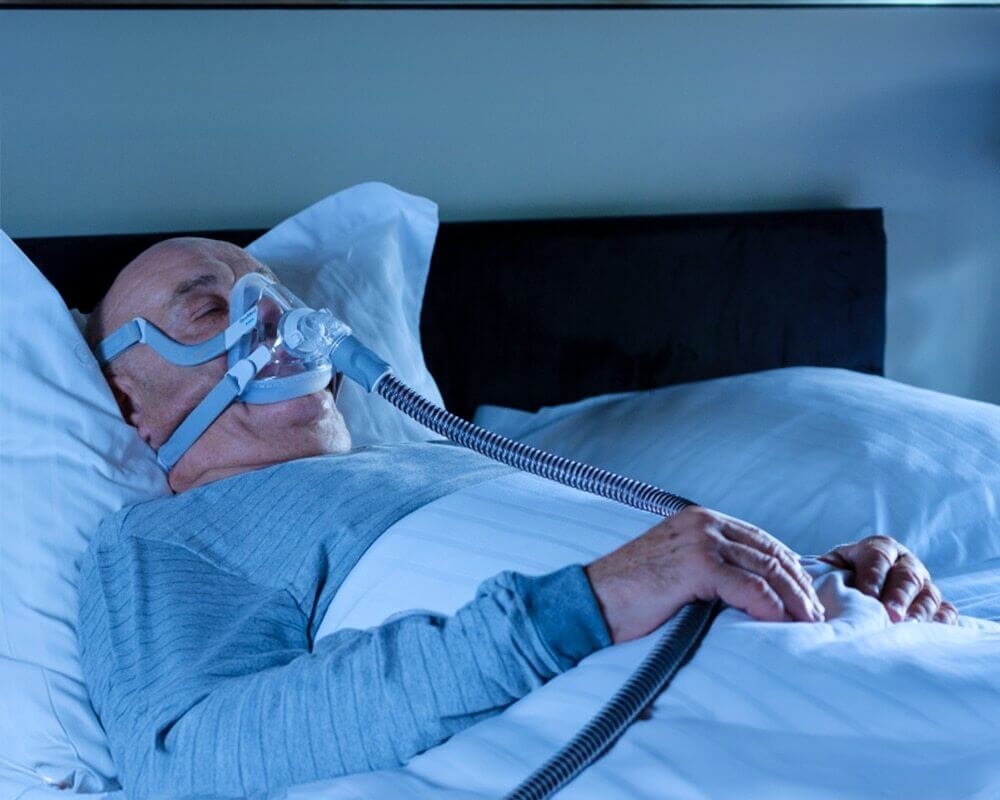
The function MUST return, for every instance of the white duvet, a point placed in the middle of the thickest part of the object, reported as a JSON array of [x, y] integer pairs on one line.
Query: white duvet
[[850, 708], [853, 707]]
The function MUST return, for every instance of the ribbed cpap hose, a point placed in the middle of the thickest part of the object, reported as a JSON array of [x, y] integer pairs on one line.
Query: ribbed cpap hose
[[682, 634]]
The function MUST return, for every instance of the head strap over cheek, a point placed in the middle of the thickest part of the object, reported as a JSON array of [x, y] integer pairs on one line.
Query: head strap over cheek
[[208, 410]]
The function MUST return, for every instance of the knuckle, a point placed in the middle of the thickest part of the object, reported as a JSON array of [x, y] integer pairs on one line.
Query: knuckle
[[772, 567], [772, 548], [905, 580], [910, 582], [703, 517], [758, 534], [924, 602], [897, 595], [879, 540], [912, 563]]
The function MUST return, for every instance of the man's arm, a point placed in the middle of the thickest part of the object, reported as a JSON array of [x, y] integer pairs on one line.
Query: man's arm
[[206, 685]]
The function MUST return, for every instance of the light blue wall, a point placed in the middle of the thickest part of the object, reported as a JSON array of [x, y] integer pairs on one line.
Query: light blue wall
[[131, 120]]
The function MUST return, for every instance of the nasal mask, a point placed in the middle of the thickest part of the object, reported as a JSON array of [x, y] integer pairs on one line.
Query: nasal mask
[[278, 348]]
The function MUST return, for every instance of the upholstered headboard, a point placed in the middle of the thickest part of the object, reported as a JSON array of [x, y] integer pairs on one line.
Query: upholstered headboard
[[540, 312]]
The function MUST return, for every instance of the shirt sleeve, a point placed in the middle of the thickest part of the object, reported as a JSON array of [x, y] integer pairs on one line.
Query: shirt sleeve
[[206, 684]]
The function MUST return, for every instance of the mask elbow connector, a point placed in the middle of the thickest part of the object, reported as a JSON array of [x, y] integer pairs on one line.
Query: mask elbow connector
[[358, 363], [307, 333]]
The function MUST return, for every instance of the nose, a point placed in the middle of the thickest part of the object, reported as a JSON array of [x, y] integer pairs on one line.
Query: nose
[[269, 313]]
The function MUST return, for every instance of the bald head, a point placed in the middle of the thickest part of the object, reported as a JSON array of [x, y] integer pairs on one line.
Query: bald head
[[182, 286], [155, 281]]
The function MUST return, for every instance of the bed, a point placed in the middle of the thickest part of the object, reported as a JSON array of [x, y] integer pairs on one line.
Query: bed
[[737, 359]]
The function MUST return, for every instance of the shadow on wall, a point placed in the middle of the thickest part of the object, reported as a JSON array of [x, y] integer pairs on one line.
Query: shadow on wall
[[940, 188]]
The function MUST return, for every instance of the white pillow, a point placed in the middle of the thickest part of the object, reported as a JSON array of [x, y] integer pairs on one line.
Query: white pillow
[[815, 456], [364, 253], [67, 459]]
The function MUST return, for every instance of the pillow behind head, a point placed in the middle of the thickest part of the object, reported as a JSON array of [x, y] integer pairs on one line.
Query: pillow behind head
[[364, 253], [67, 460]]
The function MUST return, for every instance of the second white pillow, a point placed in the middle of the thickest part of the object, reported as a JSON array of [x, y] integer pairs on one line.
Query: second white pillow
[[816, 456]]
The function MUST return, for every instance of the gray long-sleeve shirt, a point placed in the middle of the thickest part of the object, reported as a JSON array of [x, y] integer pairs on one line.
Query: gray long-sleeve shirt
[[198, 614]]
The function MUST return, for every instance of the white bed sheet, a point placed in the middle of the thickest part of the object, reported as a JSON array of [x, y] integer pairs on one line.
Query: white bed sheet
[[852, 708]]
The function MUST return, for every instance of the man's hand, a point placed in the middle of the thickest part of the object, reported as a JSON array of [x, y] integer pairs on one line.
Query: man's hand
[[700, 554], [890, 573]]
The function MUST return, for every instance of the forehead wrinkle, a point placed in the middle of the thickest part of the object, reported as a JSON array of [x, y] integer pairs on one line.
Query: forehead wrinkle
[[185, 287]]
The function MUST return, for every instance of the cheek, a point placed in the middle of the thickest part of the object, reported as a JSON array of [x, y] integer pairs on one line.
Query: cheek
[[177, 390]]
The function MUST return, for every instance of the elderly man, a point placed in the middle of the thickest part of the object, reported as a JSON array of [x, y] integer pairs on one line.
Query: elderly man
[[198, 612]]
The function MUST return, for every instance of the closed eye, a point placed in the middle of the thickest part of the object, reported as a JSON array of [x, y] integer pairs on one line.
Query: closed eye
[[209, 312]]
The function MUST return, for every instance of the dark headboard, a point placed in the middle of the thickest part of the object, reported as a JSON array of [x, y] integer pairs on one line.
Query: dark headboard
[[540, 312]]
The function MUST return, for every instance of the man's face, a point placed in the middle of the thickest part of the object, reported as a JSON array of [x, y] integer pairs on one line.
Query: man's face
[[182, 286]]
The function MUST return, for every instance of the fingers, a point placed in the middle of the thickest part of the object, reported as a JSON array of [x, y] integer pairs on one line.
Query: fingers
[[929, 607], [753, 537], [835, 559], [782, 582], [905, 580], [925, 605], [873, 558], [887, 571], [947, 614], [749, 592]]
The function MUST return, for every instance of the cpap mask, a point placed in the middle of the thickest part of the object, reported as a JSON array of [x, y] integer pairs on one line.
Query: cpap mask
[[276, 348]]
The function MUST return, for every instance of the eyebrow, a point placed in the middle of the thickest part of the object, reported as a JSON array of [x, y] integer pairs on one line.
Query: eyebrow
[[185, 287]]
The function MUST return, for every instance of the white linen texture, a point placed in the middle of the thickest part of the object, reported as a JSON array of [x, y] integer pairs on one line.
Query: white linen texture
[[815, 456], [855, 707]]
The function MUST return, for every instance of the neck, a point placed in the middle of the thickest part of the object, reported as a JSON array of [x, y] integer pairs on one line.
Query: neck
[[181, 480]]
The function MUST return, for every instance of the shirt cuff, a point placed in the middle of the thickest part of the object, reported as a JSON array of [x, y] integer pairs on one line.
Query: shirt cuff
[[564, 611]]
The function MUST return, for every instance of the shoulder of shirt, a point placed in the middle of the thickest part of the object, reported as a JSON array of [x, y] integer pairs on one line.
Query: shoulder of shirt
[[158, 518]]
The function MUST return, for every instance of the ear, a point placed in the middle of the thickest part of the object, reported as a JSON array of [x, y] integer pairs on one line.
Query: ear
[[129, 398]]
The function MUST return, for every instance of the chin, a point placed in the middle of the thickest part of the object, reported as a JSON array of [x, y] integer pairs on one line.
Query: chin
[[304, 410], [303, 426]]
